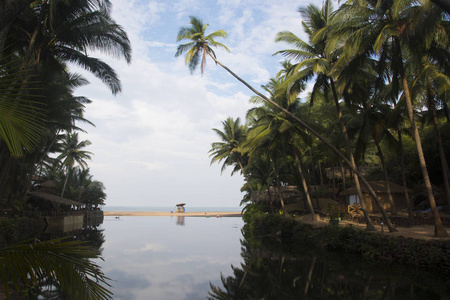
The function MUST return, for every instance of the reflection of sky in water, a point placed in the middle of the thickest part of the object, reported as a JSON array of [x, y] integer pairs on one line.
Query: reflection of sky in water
[[156, 258]]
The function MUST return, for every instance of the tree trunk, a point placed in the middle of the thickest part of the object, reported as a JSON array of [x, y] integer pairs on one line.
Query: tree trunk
[[439, 229], [65, 182], [315, 133], [280, 197], [334, 183], [305, 186], [316, 196], [402, 163], [243, 172], [343, 173], [369, 223], [386, 177], [444, 164], [319, 165]]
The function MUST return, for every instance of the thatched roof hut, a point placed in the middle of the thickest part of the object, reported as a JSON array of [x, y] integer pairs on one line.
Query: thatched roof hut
[[57, 202], [380, 188]]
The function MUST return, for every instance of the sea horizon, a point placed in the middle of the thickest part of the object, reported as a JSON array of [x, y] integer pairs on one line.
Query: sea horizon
[[173, 208]]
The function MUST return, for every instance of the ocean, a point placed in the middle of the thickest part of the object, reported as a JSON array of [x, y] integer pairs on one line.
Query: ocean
[[171, 208]]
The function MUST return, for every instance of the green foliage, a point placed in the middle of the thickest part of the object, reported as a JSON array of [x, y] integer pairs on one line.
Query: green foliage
[[430, 255], [69, 264]]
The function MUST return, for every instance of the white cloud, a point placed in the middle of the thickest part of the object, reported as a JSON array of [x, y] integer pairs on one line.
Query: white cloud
[[151, 142]]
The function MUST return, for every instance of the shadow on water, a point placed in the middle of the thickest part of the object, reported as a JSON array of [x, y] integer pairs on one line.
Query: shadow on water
[[270, 272]]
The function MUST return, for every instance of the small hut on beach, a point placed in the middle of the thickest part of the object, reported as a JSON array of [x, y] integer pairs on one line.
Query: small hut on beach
[[380, 189], [180, 207]]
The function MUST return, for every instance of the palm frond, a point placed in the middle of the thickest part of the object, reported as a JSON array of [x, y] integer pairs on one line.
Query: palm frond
[[69, 263]]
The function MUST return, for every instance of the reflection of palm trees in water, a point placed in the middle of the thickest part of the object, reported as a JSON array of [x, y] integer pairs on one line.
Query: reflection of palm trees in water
[[268, 272]]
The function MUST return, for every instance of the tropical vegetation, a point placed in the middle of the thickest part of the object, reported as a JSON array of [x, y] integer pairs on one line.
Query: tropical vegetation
[[379, 70], [40, 125]]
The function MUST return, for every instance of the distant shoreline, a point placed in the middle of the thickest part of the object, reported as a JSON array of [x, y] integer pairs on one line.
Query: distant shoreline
[[177, 214]]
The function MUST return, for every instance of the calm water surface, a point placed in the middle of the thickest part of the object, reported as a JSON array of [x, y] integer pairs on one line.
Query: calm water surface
[[169, 257]]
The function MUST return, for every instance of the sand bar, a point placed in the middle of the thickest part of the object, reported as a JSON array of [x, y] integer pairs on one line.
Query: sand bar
[[177, 214]]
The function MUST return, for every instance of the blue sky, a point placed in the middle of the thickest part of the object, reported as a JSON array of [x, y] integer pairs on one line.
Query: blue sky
[[151, 141]]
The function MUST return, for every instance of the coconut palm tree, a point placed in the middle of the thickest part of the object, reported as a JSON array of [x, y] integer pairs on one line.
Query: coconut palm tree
[[318, 61], [56, 31], [200, 45], [72, 153], [376, 26], [273, 130], [229, 149]]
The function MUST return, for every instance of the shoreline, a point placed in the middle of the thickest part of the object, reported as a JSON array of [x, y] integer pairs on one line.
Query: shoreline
[[168, 213]]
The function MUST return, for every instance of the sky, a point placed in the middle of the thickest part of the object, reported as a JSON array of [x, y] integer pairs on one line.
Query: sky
[[151, 141]]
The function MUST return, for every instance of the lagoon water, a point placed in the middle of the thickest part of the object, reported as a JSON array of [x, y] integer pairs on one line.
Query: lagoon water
[[174, 257], [169, 257]]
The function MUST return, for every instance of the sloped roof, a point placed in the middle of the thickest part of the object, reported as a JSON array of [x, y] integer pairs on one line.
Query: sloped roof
[[54, 198], [378, 186]]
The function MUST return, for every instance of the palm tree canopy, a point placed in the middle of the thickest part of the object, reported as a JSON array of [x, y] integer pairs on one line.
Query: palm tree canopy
[[200, 44], [72, 151], [229, 149]]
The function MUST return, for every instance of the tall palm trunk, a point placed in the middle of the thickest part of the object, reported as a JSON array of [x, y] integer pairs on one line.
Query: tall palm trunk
[[444, 164], [316, 196], [65, 182], [312, 131], [343, 174], [403, 167], [243, 171], [369, 223], [280, 197], [305, 186], [439, 229], [386, 177]]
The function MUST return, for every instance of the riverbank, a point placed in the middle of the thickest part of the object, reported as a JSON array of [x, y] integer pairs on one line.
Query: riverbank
[[421, 232], [175, 214], [414, 246]]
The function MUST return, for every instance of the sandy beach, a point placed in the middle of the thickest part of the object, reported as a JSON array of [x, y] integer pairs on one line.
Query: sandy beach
[[168, 213]]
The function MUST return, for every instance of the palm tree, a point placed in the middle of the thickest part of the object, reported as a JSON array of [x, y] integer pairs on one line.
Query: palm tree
[[72, 153], [374, 27], [229, 149], [200, 45], [22, 118], [272, 130], [318, 61], [56, 31]]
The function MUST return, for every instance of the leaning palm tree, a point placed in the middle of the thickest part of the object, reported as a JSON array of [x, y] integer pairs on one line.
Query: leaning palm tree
[[199, 45], [73, 153]]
